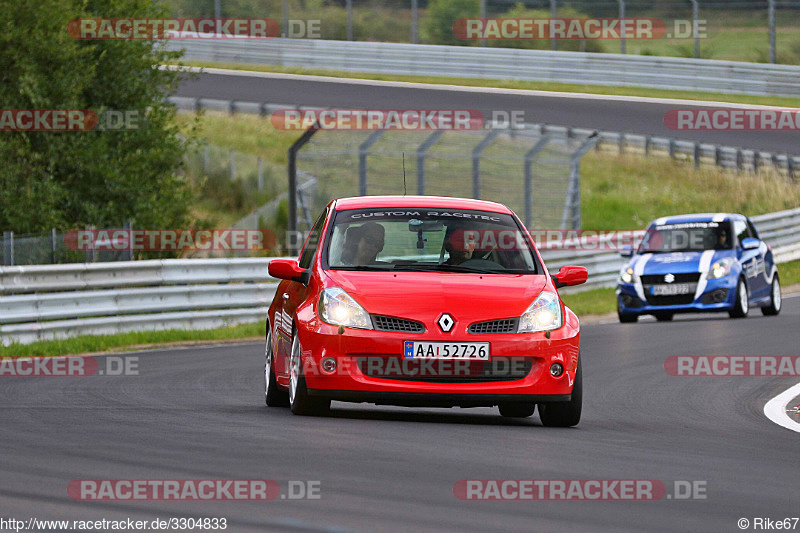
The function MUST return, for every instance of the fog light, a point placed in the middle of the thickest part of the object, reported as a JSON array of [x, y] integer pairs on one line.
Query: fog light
[[329, 365], [556, 369]]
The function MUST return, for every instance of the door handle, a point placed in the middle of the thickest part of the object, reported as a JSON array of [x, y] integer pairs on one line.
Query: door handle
[[285, 295]]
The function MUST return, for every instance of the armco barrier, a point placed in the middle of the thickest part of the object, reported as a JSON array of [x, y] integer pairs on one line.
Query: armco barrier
[[60, 301], [675, 73]]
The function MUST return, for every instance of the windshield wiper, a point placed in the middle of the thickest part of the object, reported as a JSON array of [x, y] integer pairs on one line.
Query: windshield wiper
[[362, 268]]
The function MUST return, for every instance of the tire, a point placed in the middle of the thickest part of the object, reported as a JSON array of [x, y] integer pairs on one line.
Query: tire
[[776, 301], [273, 396], [625, 318], [741, 306], [664, 316], [517, 409], [564, 414], [299, 400]]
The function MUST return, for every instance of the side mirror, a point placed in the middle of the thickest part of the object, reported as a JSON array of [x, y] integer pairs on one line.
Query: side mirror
[[750, 243], [288, 269], [626, 251], [570, 275]]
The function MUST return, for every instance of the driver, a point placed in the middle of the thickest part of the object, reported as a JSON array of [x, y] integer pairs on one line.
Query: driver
[[722, 239], [456, 246], [363, 244]]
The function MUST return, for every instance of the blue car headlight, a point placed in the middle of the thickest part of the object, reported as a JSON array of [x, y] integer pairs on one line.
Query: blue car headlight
[[543, 314], [627, 275], [340, 309], [721, 268]]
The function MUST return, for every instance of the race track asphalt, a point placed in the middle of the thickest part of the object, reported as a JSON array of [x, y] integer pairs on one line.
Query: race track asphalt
[[640, 117], [198, 413]]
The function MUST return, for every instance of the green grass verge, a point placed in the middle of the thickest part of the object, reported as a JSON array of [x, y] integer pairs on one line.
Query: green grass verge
[[514, 84], [591, 302], [134, 340]]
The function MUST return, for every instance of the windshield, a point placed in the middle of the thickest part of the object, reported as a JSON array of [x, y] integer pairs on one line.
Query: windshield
[[687, 237], [429, 239]]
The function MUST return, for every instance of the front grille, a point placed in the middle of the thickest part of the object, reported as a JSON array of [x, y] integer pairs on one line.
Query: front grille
[[677, 299], [390, 323], [657, 279], [492, 327], [446, 370]]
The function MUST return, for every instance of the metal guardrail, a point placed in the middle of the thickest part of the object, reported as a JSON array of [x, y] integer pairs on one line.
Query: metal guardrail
[[729, 157], [675, 73], [45, 302]]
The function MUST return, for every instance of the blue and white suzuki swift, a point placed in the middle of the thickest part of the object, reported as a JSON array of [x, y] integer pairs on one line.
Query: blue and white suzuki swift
[[698, 263]]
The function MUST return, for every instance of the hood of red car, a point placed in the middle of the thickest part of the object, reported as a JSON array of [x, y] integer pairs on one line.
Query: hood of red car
[[424, 296]]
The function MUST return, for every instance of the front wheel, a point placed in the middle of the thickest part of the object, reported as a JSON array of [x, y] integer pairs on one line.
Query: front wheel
[[742, 304], [299, 400], [775, 302], [274, 397], [625, 317], [564, 414]]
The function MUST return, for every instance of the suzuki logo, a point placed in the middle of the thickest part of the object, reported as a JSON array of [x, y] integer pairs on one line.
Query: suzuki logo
[[446, 323], [669, 278]]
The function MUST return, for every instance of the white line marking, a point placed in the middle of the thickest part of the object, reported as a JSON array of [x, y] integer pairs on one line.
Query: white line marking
[[775, 409], [471, 89]]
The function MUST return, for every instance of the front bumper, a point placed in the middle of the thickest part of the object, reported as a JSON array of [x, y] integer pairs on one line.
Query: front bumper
[[445, 382], [717, 295]]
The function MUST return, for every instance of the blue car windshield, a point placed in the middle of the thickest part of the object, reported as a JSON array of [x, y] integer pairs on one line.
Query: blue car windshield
[[687, 237]]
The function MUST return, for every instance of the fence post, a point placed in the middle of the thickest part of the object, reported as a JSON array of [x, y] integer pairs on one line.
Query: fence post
[[421, 151], [363, 150], [231, 165], [756, 160], [695, 24], [572, 204], [697, 155], [528, 176], [621, 143], [349, 20], [285, 15], [292, 171], [205, 159], [483, 16], [672, 148], [647, 141], [129, 251], [476, 161], [622, 34], [53, 245], [414, 22], [553, 13], [260, 164], [790, 167], [771, 16], [8, 248]]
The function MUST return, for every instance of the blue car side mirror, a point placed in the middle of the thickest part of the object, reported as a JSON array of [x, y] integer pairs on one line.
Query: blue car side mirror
[[750, 243], [626, 251]]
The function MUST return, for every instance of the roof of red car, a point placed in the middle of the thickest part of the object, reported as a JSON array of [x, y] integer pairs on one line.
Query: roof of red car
[[442, 202]]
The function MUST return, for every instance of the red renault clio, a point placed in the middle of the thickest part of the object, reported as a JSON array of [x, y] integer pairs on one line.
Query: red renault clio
[[423, 301]]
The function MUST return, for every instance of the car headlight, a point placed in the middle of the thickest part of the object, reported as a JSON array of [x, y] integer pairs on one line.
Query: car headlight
[[627, 275], [721, 268], [543, 314], [338, 308]]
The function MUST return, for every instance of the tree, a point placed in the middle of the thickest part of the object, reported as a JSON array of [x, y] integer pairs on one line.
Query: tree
[[103, 178], [437, 26]]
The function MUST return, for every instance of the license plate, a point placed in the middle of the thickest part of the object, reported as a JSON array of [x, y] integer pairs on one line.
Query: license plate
[[678, 288], [478, 351]]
